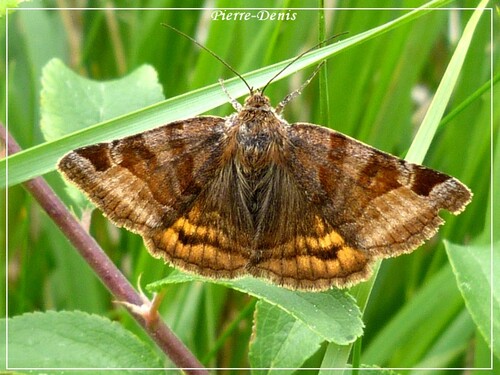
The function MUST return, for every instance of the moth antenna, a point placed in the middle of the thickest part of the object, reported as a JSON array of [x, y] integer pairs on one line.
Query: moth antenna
[[298, 57], [212, 53], [297, 92], [236, 104]]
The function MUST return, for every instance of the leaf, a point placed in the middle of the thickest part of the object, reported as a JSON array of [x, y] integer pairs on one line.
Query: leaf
[[70, 102], [472, 267], [280, 340], [75, 340], [333, 315]]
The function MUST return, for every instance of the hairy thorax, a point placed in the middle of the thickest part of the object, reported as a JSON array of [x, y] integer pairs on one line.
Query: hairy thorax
[[253, 166], [257, 136]]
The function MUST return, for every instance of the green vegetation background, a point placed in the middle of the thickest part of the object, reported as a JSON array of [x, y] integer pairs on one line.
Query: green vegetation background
[[416, 315]]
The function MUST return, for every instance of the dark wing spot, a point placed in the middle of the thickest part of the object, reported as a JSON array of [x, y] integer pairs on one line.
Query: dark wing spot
[[425, 179], [98, 155]]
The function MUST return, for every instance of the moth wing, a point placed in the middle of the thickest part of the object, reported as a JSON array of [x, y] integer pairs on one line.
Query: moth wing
[[157, 184], [143, 181], [377, 202]]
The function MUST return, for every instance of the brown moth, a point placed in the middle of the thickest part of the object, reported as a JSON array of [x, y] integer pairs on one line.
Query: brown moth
[[300, 205]]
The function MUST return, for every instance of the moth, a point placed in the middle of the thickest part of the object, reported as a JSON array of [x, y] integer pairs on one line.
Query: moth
[[300, 205]]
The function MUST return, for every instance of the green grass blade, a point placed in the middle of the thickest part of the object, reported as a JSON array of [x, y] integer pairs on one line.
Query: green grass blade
[[416, 323], [427, 130], [42, 158]]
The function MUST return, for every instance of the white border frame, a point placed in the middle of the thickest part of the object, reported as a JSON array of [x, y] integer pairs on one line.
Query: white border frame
[[490, 9]]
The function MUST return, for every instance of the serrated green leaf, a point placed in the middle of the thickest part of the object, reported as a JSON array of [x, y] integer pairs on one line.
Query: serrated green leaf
[[333, 315], [70, 102], [472, 268], [75, 340], [280, 340]]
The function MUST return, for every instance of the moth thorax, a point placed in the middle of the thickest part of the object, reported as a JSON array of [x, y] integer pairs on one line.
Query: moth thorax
[[259, 149]]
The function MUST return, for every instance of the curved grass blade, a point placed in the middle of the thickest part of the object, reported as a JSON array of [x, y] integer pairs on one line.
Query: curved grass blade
[[42, 158]]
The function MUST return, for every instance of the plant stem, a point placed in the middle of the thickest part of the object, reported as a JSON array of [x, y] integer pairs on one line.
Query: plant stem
[[105, 269]]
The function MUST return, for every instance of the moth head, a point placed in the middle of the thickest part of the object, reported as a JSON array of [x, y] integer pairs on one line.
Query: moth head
[[257, 100]]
